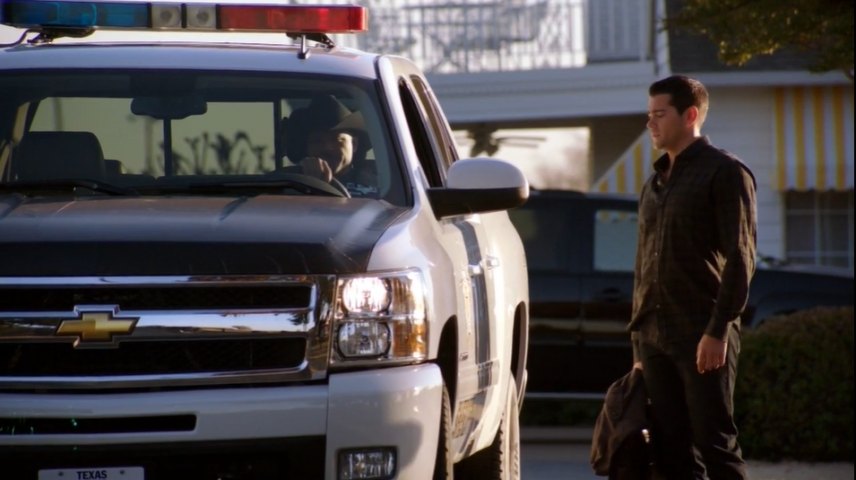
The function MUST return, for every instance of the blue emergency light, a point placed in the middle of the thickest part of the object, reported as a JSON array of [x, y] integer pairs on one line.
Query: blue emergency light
[[74, 14]]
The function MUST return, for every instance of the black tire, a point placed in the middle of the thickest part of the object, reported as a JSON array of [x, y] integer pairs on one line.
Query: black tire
[[443, 464], [500, 460]]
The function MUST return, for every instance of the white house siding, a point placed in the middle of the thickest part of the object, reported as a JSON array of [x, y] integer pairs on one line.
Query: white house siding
[[741, 121], [661, 40]]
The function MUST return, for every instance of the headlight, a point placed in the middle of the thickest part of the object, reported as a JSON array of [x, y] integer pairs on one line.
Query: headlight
[[363, 339], [380, 318], [365, 295]]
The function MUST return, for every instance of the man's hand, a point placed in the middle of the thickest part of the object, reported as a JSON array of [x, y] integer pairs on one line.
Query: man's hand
[[710, 354], [317, 167]]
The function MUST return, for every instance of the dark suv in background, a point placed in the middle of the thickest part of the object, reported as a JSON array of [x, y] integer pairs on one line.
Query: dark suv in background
[[580, 250]]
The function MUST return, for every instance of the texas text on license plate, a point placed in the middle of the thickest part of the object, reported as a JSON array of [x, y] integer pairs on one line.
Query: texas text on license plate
[[112, 473]]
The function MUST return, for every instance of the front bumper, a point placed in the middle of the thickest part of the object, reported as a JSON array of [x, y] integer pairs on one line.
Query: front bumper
[[396, 407]]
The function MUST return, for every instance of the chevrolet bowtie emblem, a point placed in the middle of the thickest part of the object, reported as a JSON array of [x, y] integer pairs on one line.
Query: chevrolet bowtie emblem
[[96, 329]]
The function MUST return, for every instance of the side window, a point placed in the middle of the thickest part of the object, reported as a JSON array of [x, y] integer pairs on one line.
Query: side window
[[819, 228], [615, 240], [424, 140], [436, 120]]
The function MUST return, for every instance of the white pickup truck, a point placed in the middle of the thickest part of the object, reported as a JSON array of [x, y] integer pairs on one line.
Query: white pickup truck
[[181, 298]]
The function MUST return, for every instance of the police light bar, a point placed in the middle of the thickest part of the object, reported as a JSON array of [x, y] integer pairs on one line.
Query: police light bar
[[298, 19]]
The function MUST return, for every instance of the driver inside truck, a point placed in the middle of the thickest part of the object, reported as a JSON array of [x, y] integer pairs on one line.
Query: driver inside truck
[[328, 141]]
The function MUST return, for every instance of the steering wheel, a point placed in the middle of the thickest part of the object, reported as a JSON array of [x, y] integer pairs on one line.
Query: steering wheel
[[340, 187], [294, 174]]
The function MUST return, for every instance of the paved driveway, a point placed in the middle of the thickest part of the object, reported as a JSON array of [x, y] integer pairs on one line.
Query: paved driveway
[[563, 454]]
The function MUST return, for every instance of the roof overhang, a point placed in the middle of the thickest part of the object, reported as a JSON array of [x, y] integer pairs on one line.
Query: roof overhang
[[557, 96]]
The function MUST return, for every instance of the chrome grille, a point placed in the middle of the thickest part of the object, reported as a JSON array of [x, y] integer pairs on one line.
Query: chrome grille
[[152, 357], [176, 297], [188, 331]]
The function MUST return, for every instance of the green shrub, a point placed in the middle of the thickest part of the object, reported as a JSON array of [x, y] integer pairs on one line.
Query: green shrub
[[794, 390]]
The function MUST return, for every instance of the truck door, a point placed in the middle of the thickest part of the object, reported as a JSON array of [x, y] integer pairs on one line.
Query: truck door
[[477, 368]]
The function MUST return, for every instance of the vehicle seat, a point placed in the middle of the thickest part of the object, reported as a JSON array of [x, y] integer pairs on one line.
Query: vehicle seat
[[113, 167], [58, 155]]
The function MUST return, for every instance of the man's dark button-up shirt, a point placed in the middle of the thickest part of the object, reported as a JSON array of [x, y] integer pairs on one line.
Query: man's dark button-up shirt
[[696, 250]]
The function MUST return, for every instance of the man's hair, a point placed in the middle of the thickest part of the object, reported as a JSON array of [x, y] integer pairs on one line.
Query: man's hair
[[685, 92]]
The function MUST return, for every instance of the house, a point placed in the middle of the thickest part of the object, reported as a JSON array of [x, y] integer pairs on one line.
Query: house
[[793, 128], [588, 63]]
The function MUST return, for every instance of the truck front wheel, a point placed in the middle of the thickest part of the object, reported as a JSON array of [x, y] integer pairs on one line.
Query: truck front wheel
[[443, 464], [500, 460]]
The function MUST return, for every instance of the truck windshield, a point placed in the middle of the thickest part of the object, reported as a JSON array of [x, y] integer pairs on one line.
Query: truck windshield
[[190, 132]]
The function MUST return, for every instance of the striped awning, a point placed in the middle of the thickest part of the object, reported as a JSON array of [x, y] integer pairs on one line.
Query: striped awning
[[814, 138], [633, 167]]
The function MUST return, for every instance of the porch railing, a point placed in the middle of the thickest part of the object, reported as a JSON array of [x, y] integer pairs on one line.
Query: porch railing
[[461, 36]]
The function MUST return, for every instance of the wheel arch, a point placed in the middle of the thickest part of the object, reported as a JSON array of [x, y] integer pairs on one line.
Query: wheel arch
[[520, 348], [447, 357]]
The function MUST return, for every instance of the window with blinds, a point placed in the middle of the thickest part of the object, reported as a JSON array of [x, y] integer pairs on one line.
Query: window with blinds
[[819, 228]]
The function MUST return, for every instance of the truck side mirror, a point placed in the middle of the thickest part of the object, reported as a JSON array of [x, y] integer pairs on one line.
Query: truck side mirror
[[477, 185]]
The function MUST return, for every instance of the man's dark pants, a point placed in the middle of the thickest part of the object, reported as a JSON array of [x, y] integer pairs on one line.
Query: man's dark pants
[[693, 409]]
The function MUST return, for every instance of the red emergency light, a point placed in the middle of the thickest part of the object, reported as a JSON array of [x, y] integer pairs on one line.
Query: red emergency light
[[294, 19]]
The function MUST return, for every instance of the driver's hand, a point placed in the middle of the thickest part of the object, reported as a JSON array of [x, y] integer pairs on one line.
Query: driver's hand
[[317, 167]]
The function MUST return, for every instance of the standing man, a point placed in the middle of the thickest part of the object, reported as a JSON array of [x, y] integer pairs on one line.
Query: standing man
[[695, 258]]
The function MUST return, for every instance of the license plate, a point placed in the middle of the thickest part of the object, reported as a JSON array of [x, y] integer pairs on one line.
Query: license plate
[[112, 473]]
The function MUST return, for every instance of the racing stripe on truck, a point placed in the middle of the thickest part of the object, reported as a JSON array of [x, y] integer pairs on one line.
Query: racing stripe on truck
[[479, 287]]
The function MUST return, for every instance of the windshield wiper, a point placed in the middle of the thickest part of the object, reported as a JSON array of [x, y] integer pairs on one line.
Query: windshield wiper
[[64, 185]]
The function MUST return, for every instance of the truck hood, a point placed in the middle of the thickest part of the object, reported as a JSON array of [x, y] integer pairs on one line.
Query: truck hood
[[265, 234]]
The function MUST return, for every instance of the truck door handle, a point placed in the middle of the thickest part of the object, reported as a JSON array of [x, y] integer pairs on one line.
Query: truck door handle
[[490, 262], [487, 263]]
